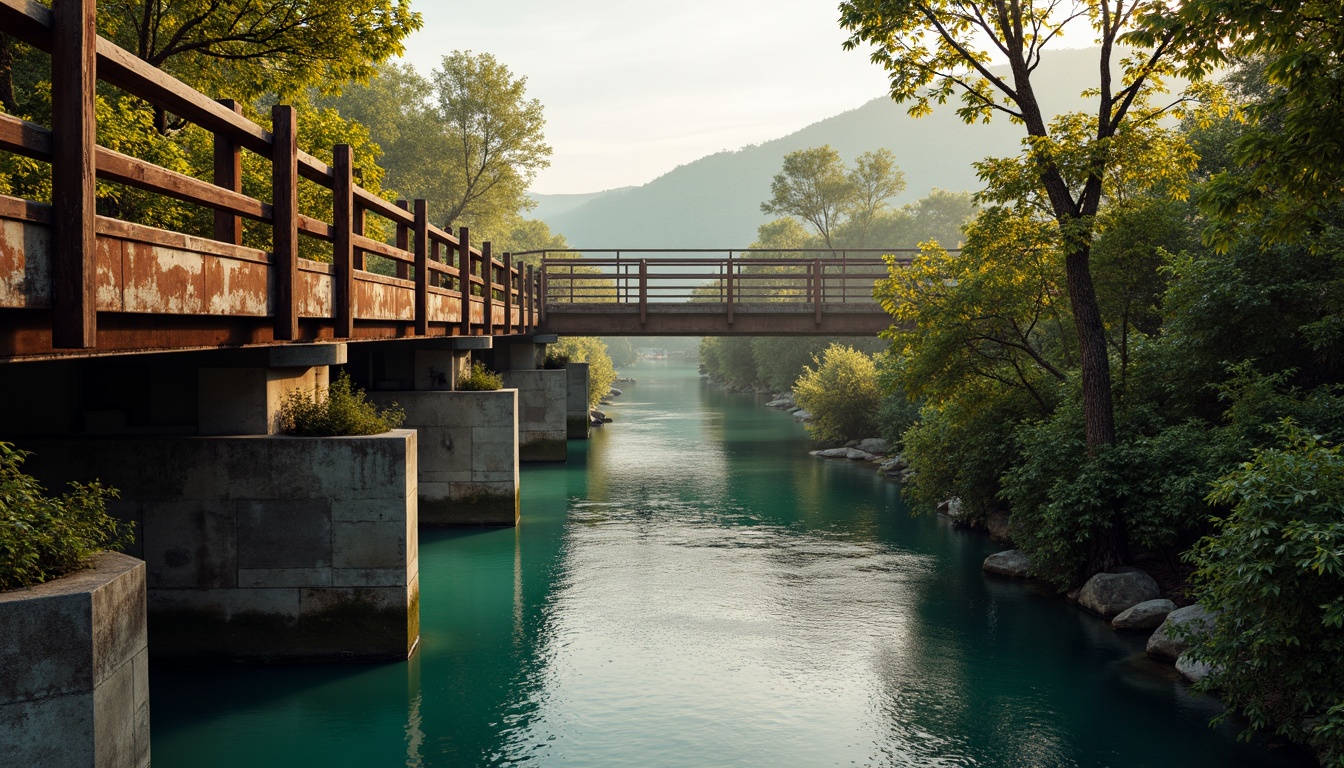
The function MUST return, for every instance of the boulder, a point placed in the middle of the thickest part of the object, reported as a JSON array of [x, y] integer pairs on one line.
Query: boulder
[[894, 464], [855, 454], [951, 508], [1192, 670], [874, 445], [1163, 645], [614, 392], [801, 415], [1112, 592], [780, 403], [1146, 615], [832, 453], [1011, 563], [599, 417]]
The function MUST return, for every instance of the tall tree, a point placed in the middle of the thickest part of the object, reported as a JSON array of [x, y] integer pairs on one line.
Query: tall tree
[[875, 179], [495, 134], [814, 187], [933, 50]]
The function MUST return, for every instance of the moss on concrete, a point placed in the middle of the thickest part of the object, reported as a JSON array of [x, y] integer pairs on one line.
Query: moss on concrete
[[476, 507], [542, 450]]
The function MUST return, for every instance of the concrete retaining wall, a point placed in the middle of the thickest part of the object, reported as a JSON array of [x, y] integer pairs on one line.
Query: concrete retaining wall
[[265, 548], [577, 422], [74, 670], [468, 454], [541, 413]]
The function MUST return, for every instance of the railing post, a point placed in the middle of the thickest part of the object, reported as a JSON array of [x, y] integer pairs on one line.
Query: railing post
[[464, 277], [403, 242], [229, 175], [74, 233], [508, 293], [730, 288], [285, 219], [816, 290], [488, 291], [421, 227], [643, 291], [343, 254], [542, 285], [357, 222]]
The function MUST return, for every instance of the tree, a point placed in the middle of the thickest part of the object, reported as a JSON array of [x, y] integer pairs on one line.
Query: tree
[[243, 49], [875, 180], [494, 135], [1293, 154], [814, 187], [932, 51]]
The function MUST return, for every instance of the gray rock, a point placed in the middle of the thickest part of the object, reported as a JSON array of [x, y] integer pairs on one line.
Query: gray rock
[[1011, 563], [1190, 618], [894, 463], [1146, 615], [780, 403], [832, 453], [874, 445], [1110, 593], [857, 455], [1192, 670], [801, 415], [951, 508], [614, 392]]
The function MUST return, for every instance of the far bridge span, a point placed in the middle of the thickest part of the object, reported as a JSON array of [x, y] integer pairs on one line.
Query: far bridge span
[[714, 292]]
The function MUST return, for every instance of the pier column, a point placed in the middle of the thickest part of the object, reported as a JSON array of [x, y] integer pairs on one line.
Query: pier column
[[577, 421], [244, 398], [468, 441]]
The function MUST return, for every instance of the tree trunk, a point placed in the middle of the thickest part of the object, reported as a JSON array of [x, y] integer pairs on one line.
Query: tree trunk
[[1108, 547]]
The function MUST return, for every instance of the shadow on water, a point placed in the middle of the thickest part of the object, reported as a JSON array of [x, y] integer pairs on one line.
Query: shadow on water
[[693, 589]]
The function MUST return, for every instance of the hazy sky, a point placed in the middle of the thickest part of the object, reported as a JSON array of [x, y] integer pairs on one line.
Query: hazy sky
[[633, 88]]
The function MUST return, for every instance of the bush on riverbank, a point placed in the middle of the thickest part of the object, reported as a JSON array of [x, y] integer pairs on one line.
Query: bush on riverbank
[[478, 378], [43, 537], [841, 394]]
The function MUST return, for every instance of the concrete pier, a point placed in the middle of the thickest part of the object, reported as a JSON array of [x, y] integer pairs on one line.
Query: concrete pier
[[577, 422], [264, 548]]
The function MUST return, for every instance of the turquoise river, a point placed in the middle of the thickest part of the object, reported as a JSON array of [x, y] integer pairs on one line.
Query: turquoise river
[[693, 589]]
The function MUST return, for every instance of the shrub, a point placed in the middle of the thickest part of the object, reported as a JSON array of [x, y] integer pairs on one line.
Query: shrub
[[43, 537], [480, 379], [343, 409], [1274, 573], [842, 395], [590, 350], [555, 359]]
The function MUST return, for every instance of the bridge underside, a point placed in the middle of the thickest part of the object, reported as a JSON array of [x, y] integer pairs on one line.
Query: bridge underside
[[714, 319]]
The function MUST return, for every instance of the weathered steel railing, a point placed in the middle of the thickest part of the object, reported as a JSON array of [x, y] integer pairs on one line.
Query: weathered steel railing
[[808, 279], [422, 253]]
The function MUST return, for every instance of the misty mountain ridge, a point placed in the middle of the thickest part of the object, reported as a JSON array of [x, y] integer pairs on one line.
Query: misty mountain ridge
[[714, 202]]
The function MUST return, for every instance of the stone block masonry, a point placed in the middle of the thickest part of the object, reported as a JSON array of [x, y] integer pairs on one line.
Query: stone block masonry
[[265, 548], [577, 421], [74, 670], [541, 413], [468, 454]]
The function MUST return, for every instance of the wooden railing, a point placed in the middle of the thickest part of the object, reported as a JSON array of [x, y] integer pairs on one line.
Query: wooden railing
[[806, 278], [422, 252]]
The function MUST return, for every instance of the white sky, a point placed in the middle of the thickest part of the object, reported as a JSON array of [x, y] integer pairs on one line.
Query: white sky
[[634, 88]]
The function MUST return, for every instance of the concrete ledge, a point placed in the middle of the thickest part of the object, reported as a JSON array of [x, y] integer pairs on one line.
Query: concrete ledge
[[74, 669]]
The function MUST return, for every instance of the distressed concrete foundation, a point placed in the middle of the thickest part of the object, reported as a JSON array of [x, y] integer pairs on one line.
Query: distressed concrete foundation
[[468, 454], [265, 548], [541, 413], [74, 669], [577, 422]]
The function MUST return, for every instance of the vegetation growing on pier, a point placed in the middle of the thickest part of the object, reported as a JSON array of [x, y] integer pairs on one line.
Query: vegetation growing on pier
[[43, 537], [337, 410]]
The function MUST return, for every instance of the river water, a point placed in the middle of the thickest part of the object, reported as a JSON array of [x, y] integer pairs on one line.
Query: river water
[[692, 589]]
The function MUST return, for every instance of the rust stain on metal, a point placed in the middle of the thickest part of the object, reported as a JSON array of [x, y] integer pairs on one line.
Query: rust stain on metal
[[109, 261], [161, 280], [234, 287], [25, 265]]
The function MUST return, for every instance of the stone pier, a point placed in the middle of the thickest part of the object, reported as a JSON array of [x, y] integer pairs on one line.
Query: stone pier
[[578, 424]]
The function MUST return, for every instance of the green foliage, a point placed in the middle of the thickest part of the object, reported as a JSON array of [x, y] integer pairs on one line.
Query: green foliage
[[478, 378], [43, 537], [841, 394], [1274, 573], [342, 409], [815, 186], [245, 50], [590, 350], [621, 351]]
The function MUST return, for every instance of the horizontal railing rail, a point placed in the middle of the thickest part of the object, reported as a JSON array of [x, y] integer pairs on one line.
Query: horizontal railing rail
[[432, 257]]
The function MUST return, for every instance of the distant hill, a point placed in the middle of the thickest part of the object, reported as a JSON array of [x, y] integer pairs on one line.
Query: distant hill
[[715, 201]]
